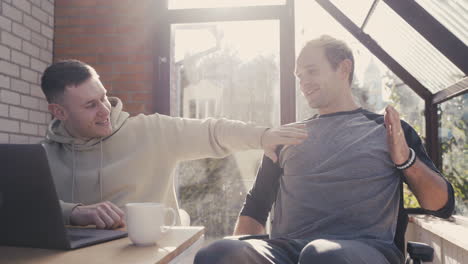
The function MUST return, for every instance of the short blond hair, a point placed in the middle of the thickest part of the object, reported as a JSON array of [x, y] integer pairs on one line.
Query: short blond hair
[[335, 50]]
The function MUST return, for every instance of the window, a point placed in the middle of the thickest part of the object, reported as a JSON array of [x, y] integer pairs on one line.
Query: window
[[231, 71], [453, 136]]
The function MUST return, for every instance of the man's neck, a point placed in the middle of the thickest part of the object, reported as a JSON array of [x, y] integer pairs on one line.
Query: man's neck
[[72, 134], [337, 110], [345, 104]]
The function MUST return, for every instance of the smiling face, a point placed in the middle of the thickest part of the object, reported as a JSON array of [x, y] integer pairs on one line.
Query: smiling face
[[319, 82], [86, 109], [325, 69]]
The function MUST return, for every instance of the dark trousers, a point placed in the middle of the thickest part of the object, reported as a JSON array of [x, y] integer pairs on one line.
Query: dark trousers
[[292, 251]]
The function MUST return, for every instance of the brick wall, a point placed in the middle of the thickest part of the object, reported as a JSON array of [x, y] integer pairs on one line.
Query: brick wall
[[26, 34], [116, 38]]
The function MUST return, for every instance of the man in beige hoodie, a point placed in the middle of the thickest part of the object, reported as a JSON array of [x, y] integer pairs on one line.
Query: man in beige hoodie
[[101, 158]]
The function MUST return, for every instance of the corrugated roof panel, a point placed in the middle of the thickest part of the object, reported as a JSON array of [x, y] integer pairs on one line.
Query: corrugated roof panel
[[427, 64], [450, 13]]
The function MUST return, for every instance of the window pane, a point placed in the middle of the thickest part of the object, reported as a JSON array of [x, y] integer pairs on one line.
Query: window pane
[[411, 50], [226, 70], [187, 4], [355, 10], [451, 14], [453, 135]]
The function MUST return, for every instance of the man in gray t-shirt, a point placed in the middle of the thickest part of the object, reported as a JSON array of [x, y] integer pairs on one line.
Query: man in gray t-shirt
[[337, 195], [346, 188]]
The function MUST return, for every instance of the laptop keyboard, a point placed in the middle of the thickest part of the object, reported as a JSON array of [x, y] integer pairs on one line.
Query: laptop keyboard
[[77, 237], [75, 234]]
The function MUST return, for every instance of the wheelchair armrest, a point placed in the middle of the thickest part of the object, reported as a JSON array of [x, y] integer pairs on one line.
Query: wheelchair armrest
[[420, 251], [245, 237]]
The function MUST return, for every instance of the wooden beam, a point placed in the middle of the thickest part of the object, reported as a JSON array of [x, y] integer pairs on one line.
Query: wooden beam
[[453, 90], [432, 133], [287, 65], [162, 39], [200, 15]]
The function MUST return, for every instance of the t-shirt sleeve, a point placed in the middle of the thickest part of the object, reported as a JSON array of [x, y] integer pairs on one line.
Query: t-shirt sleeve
[[414, 142], [261, 197]]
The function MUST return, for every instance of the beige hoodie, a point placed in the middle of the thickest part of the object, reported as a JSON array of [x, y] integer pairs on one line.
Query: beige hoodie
[[136, 162]]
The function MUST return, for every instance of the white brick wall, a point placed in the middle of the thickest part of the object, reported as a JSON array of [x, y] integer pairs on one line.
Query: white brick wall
[[20, 86], [21, 31], [32, 23], [19, 113], [9, 68], [9, 97], [30, 49], [39, 40], [29, 75], [3, 110], [4, 52], [29, 102], [12, 12], [5, 23], [37, 117], [19, 139], [10, 40], [26, 39], [39, 14], [23, 5], [4, 81], [20, 58], [3, 138], [9, 125]]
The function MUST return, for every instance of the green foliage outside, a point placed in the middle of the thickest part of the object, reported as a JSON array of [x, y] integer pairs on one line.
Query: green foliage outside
[[454, 148]]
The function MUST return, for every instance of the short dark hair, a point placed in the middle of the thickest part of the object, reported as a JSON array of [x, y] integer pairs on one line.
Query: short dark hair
[[335, 50], [62, 74]]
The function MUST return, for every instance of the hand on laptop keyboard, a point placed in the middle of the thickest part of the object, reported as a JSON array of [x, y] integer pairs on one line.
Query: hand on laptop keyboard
[[105, 215]]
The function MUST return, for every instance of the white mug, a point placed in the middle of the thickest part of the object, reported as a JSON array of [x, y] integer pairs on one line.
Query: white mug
[[145, 222]]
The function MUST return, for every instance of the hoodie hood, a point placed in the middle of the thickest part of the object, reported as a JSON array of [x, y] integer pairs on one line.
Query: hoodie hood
[[56, 131]]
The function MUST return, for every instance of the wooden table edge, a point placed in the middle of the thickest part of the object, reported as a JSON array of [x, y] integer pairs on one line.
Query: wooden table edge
[[169, 257]]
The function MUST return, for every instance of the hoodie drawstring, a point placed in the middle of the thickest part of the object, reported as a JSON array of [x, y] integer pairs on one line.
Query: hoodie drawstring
[[73, 174], [100, 171]]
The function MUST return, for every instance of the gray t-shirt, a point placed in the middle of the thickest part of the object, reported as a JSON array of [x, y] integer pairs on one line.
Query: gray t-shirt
[[340, 183]]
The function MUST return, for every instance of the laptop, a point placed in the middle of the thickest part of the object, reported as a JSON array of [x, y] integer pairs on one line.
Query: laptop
[[30, 213]]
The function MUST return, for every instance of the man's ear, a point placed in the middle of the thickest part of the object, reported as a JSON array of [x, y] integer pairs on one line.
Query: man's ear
[[345, 69], [58, 111]]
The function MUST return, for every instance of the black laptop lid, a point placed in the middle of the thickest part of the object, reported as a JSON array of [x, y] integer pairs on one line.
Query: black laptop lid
[[30, 213]]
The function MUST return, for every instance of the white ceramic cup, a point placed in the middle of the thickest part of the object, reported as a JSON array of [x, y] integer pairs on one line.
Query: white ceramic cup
[[145, 222]]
